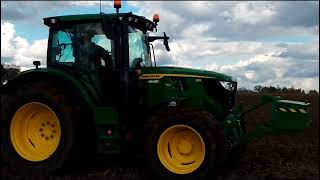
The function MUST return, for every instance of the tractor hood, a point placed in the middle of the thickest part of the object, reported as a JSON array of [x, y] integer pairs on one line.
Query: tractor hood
[[160, 72]]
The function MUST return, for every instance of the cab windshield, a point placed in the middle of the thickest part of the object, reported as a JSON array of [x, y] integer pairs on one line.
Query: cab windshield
[[138, 47]]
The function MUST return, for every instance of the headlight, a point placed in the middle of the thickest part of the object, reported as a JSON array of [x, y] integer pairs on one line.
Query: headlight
[[230, 86]]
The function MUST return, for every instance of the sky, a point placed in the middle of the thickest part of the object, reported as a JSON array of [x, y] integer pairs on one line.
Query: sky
[[268, 43]]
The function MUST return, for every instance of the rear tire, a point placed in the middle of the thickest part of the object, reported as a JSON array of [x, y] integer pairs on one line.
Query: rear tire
[[69, 117], [193, 124]]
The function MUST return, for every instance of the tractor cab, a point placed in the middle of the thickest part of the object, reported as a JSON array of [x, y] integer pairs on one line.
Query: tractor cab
[[105, 30], [101, 48]]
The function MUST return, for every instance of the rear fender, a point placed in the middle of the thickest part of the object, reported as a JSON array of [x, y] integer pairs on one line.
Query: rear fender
[[52, 75]]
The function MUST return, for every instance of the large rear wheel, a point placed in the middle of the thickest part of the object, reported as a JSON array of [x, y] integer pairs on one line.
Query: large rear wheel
[[40, 128], [35, 131]]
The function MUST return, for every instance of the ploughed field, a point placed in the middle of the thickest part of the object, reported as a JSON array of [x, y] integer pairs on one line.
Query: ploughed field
[[294, 156]]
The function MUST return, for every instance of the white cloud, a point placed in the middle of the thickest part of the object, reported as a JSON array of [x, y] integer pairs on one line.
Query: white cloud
[[199, 49], [250, 75], [307, 83], [272, 70], [303, 51], [33, 11], [19, 49], [195, 30], [252, 13], [258, 68], [7, 35], [104, 4], [212, 67], [235, 20]]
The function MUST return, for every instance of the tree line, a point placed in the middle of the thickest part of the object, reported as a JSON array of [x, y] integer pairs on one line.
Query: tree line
[[8, 73], [272, 89]]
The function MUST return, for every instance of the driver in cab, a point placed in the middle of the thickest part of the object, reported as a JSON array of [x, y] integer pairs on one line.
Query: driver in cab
[[88, 55]]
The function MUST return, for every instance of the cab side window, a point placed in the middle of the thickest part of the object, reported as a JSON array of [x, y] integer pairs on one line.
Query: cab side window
[[66, 43]]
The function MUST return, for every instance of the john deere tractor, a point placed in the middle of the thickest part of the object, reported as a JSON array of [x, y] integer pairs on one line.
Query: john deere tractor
[[102, 93]]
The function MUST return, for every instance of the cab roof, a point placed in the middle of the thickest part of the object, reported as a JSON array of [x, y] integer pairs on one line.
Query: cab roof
[[139, 21], [82, 17]]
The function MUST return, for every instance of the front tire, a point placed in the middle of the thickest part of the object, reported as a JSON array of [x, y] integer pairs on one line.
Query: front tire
[[185, 144]]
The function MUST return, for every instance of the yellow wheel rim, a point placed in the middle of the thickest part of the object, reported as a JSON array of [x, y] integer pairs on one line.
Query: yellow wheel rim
[[181, 149], [35, 131]]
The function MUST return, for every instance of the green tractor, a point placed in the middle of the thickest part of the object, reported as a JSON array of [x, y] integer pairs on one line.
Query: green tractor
[[102, 93]]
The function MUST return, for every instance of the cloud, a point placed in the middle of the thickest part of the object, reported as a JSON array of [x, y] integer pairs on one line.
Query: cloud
[[303, 69], [298, 13], [274, 13], [7, 35], [250, 13], [234, 20], [200, 51], [302, 51], [273, 70], [33, 10], [229, 37], [257, 69], [19, 49], [164, 59], [104, 4], [307, 83]]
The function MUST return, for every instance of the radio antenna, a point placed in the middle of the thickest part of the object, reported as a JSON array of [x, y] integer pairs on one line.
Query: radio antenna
[[100, 6]]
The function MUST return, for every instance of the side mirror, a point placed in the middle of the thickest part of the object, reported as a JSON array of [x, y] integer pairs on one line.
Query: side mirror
[[165, 41], [164, 37], [36, 63]]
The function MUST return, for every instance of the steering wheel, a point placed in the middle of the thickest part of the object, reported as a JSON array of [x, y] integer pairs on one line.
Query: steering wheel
[[60, 49]]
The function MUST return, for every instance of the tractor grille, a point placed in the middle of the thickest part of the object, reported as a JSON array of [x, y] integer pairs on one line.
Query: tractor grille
[[215, 90]]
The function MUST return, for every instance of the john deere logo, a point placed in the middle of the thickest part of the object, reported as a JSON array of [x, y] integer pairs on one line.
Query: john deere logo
[[151, 76], [154, 75]]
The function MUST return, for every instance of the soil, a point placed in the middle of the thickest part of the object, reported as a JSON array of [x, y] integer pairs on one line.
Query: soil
[[292, 156]]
